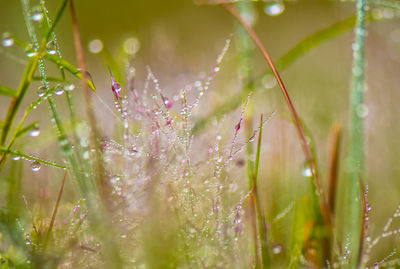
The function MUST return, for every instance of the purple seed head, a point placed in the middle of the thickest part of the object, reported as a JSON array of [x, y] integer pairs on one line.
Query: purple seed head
[[237, 127], [116, 88], [168, 103]]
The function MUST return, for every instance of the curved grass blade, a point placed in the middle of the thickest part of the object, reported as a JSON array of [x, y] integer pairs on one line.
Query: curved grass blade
[[70, 68]]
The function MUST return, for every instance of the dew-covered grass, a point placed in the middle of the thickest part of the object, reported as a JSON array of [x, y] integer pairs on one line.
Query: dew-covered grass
[[221, 169]]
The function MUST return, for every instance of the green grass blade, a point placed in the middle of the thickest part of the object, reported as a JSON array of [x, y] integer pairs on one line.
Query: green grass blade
[[56, 19], [258, 150], [314, 40], [6, 91], [50, 79], [31, 158], [16, 101], [27, 129], [352, 226], [262, 230], [70, 68]]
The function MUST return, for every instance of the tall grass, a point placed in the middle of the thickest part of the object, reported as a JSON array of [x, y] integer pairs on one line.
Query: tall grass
[[168, 191]]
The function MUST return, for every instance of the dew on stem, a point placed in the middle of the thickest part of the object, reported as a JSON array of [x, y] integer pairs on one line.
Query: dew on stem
[[35, 131], [274, 8], [7, 41], [35, 166]]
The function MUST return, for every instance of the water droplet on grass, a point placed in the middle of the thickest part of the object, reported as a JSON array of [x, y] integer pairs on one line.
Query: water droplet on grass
[[35, 131], [51, 47], [30, 52], [16, 157], [59, 90], [37, 14], [35, 166], [252, 137], [276, 248], [306, 172], [41, 91], [362, 110], [69, 87], [274, 8], [8, 41]]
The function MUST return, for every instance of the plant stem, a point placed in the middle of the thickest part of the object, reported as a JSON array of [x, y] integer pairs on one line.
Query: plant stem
[[53, 217], [356, 143]]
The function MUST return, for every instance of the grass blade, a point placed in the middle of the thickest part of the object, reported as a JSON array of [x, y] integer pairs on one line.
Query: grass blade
[[262, 227], [53, 216], [353, 215], [31, 158], [333, 165], [6, 91], [16, 101], [27, 129], [70, 68]]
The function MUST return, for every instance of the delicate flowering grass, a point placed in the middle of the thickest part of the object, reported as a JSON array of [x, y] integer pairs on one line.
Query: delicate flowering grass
[[170, 187]]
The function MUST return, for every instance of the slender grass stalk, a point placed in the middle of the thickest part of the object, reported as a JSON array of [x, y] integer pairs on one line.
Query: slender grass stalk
[[353, 221], [364, 222], [53, 216], [244, 50], [7, 91], [29, 157], [27, 128], [333, 165], [262, 227]]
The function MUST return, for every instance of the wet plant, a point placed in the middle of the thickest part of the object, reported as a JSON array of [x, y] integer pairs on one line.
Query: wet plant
[[181, 182]]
